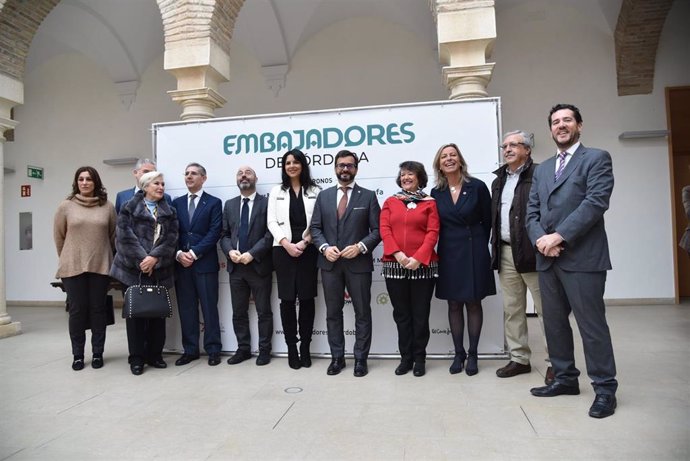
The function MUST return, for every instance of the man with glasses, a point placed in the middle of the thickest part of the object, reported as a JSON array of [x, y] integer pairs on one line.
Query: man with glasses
[[345, 229], [199, 215], [512, 253]]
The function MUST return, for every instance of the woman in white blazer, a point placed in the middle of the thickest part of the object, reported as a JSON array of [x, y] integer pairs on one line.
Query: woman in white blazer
[[290, 206]]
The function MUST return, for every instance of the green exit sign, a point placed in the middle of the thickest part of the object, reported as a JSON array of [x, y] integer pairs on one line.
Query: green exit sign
[[34, 172]]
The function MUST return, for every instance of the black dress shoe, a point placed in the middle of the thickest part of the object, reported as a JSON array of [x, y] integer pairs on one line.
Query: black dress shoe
[[185, 359], [264, 358], [550, 376], [97, 361], [136, 369], [554, 389], [336, 366], [403, 368], [419, 369], [604, 405], [158, 363], [213, 359], [457, 365], [361, 368], [513, 369], [78, 363], [239, 357]]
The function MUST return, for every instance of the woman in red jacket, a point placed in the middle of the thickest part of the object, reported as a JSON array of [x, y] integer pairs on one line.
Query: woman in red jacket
[[409, 229]]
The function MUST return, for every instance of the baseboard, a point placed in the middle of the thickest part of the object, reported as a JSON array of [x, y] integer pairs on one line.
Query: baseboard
[[639, 301]]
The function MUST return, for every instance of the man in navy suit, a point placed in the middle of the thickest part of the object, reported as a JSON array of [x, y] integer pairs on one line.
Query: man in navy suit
[[196, 276], [142, 167], [247, 244], [565, 221], [345, 229]]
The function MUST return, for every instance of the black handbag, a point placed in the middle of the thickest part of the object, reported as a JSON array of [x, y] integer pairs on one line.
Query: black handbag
[[146, 302]]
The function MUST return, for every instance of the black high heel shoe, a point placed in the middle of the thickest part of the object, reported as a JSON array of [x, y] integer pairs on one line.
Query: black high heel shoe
[[472, 367], [457, 365]]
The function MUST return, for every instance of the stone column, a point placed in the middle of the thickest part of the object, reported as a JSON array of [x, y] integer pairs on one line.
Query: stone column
[[11, 94], [466, 36]]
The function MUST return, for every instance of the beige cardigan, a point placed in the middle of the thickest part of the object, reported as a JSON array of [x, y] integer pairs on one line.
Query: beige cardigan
[[84, 234]]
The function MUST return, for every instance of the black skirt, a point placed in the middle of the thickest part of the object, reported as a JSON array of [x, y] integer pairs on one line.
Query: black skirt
[[296, 276]]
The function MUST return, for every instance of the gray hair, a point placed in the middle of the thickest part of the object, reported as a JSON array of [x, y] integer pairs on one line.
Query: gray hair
[[527, 138], [148, 178], [196, 165], [144, 161]]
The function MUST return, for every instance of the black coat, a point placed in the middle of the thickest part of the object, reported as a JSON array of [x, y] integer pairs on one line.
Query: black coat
[[524, 254], [134, 241], [464, 267]]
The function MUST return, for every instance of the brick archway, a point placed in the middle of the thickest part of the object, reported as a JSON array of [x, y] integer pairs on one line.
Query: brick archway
[[639, 27]]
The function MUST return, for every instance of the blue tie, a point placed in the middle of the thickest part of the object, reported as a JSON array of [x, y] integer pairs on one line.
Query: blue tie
[[244, 226]]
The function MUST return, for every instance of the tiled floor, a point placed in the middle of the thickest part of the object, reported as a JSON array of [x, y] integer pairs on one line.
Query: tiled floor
[[197, 412]]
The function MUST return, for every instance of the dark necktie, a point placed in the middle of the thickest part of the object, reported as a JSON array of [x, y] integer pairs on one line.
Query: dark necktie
[[244, 226], [192, 207], [342, 205], [561, 165]]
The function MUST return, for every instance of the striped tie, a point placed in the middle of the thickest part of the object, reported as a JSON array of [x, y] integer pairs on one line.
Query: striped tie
[[561, 165]]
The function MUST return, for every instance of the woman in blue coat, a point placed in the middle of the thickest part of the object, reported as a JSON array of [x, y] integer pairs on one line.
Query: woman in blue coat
[[464, 271]]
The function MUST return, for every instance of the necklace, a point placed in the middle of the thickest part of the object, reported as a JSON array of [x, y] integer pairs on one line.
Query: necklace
[[453, 189]]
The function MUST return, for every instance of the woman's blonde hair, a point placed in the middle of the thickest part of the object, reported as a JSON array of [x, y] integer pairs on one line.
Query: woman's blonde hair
[[441, 180]]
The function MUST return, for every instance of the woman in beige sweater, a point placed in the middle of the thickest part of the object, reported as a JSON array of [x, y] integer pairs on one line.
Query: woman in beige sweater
[[84, 232]]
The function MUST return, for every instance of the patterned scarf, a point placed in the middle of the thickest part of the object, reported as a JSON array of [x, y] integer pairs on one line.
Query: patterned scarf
[[411, 197]]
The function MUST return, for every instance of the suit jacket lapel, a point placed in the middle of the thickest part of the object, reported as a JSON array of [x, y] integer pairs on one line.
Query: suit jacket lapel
[[355, 195], [255, 211], [572, 165], [201, 203]]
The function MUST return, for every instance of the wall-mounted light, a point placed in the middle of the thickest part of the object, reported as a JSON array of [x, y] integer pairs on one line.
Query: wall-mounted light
[[643, 134], [121, 161]]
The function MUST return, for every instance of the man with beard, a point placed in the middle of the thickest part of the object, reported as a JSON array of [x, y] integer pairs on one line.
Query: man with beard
[[345, 229], [247, 242], [565, 221]]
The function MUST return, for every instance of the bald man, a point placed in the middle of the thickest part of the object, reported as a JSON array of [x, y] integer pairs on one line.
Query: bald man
[[247, 243]]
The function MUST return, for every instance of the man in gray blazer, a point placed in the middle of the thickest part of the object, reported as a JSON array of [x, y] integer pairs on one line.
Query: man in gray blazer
[[345, 229], [246, 242], [565, 221]]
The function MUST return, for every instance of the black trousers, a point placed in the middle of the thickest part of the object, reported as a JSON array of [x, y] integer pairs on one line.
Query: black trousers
[[290, 321], [244, 281], [359, 288], [411, 299], [86, 296]]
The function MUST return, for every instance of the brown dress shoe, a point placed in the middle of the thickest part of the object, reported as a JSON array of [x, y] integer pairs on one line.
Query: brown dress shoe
[[513, 369], [550, 376]]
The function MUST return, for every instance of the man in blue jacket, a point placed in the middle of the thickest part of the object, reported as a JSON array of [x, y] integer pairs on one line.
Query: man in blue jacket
[[196, 277]]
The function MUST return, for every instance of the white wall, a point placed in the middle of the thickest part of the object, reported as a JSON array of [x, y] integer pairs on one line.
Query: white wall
[[542, 60]]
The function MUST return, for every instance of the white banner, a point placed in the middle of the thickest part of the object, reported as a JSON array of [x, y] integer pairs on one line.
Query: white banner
[[382, 137]]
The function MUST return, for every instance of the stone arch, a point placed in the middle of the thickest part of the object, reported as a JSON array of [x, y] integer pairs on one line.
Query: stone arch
[[198, 34], [639, 27], [19, 21]]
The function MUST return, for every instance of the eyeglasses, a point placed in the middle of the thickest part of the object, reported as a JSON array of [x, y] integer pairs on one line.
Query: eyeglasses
[[346, 166], [512, 145]]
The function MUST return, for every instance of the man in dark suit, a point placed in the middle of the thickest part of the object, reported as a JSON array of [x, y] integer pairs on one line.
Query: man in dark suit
[[142, 167], [247, 244], [565, 221], [196, 276], [345, 229]]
